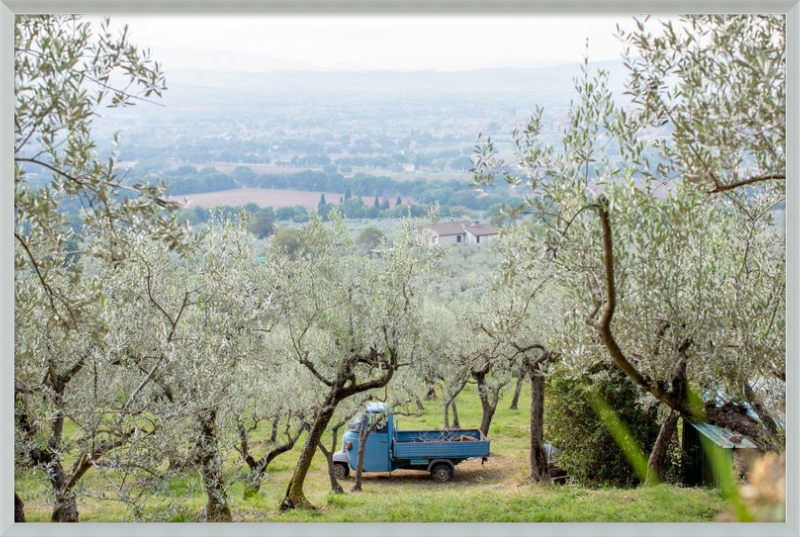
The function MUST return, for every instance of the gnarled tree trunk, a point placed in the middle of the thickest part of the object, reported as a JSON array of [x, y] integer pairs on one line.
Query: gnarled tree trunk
[[258, 467], [490, 397], [517, 391], [273, 434], [451, 408], [486, 415], [363, 435], [209, 462], [451, 392], [295, 498], [540, 469], [66, 507], [336, 488], [658, 455]]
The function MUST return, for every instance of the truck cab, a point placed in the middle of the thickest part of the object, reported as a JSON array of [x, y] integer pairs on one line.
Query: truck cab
[[388, 449]]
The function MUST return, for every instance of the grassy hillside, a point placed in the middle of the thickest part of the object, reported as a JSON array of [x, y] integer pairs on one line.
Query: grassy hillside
[[496, 492]]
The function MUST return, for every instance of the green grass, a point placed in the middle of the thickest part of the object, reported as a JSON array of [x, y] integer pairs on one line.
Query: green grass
[[499, 491]]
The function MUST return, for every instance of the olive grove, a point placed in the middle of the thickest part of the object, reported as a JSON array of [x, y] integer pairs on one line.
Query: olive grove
[[146, 350]]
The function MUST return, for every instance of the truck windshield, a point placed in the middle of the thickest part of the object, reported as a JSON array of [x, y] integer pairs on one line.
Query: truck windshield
[[355, 422]]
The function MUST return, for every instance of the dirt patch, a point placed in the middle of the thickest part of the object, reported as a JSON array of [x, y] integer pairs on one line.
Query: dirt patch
[[502, 471]]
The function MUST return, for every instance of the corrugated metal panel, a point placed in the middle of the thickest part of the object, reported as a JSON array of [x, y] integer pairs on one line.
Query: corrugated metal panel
[[722, 437], [702, 444]]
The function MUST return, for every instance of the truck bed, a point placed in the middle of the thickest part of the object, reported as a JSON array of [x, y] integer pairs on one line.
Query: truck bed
[[440, 444]]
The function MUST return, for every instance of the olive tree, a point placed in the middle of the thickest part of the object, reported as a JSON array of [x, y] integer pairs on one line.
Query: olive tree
[[271, 394], [66, 396], [65, 72], [196, 334], [351, 321], [518, 315]]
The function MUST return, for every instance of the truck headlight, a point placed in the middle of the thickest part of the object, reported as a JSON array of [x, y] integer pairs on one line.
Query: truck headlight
[[349, 445]]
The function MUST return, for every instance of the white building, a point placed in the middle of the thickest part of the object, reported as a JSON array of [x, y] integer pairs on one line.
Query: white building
[[480, 233], [461, 232]]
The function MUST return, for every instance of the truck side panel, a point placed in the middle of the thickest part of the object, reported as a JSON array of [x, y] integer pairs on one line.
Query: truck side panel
[[439, 445], [433, 436], [440, 450]]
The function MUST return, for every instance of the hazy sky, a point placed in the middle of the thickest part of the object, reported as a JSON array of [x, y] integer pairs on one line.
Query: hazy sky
[[267, 42]]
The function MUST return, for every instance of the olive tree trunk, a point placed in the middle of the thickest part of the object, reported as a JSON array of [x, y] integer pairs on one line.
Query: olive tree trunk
[[451, 408], [258, 467], [66, 507], [209, 462], [336, 488], [295, 498], [451, 392], [658, 455], [363, 435], [517, 391], [490, 397], [487, 413], [540, 470]]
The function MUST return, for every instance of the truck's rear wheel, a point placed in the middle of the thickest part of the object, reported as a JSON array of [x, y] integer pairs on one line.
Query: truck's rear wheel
[[442, 472], [341, 470]]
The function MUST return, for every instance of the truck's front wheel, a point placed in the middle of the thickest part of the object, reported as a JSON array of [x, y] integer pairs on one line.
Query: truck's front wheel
[[442, 472], [341, 470]]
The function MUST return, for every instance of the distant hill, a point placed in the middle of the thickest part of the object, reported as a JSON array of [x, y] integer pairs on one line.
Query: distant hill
[[538, 80]]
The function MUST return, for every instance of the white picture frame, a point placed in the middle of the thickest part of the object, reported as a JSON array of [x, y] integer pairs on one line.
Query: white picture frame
[[8, 8]]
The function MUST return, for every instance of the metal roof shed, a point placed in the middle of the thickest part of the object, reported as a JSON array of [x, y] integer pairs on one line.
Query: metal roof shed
[[704, 442]]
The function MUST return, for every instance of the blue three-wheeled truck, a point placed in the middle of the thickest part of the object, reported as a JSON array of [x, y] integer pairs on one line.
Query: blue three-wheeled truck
[[388, 449]]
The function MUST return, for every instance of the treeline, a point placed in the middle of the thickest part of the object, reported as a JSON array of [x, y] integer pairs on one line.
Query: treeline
[[452, 193], [261, 220]]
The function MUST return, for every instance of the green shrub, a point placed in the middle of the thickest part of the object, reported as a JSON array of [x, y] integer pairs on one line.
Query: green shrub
[[590, 455]]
